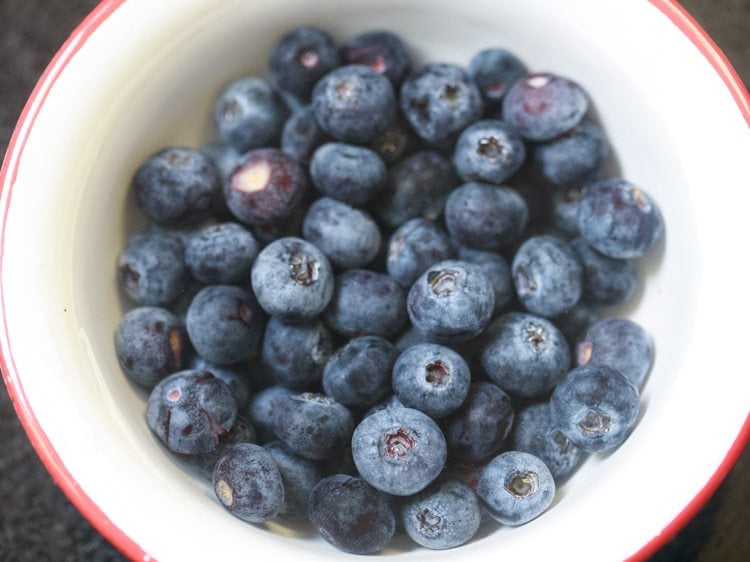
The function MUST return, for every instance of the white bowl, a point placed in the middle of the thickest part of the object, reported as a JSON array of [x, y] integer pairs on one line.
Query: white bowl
[[139, 75]]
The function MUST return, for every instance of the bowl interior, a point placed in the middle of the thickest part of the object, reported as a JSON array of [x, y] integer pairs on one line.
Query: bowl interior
[[147, 78]]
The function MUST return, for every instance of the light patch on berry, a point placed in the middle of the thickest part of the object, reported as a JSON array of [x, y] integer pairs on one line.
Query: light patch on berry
[[522, 484], [174, 395], [585, 350], [224, 493], [309, 59], [640, 199], [537, 81], [252, 178]]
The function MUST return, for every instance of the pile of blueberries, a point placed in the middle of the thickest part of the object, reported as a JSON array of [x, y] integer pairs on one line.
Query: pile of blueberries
[[374, 303]]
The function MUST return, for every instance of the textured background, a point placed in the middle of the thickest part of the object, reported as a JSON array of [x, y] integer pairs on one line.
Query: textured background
[[37, 523]]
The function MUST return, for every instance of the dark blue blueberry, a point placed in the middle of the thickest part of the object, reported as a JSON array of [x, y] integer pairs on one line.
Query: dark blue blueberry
[[266, 188], [302, 135], [242, 432], [299, 477], [366, 303], [575, 157], [391, 402], [497, 270], [478, 429], [347, 236], [225, 324], [619, 343], [619, 219], [221, 253], [516, 488], [395, 143], [548, 275], [564, 205], [176, 186], [595, 406], [417, 187], [341, 463], [574, 322], [150, 344], [301, 58], [439, 101], [262, 408], [416, 245], [351, 515], [359, 374], [236, 377], [488, 151], [524, 354], [543, 106], [606, 281], [485, 216], [151, 268], [431, 378], [399, 450], [535, 434], [451, 302], [248, 484], [352, 174], [446, 515], [248, 114], [292, 280], [354, 103], [267, 233], [189, 410], [312, 425], [494, 71], [382, 51], [408, 338], [295, 354]]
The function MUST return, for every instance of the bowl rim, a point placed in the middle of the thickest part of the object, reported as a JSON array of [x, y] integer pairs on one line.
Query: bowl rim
[[36, 434]]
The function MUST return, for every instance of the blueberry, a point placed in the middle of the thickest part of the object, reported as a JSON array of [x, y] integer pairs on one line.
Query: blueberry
[[488, 151], [366, 303], [266, 188], [221, 253], [150, 343], [452, 301], [619, 219], [176, 186], [301, 135], [382, 51], [494, 71], [574, 322], [312, 425], [351, 515], [151, 268], [391, 402], [431, 378], [446, 515], [359, 374], [564, 210], [606, 281], [595, 406], [543, 106], [352, 174], [411, 336], [524, 354], [299, 477], [439, 101], [341, 463], [267, 233], [497, 270], [225, 158], [548, 275], [534, 433], [263, 407], [189, 410], [399, 450], [619, 343], [479, 427], [516, 487], [300, 58], [415, 246], [248, 484], [225, 324], [484, 216], [292, 280], [417, 187], [248, 114], [235, 376], [354, 103], [242, 432], [295, 354], [347, 236], [573, 158], [395, 143]]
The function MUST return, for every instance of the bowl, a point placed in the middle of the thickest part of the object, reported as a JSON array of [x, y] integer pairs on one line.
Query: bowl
[[140, 75]]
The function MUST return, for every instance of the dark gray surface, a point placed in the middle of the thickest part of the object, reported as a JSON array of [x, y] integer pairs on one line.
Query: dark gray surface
[[37, 523]]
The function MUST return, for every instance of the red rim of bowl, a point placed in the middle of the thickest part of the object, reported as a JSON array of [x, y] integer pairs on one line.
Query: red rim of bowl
[[47, 453]]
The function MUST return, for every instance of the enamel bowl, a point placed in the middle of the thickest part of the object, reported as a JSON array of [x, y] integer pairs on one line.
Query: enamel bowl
[[140, 75]]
